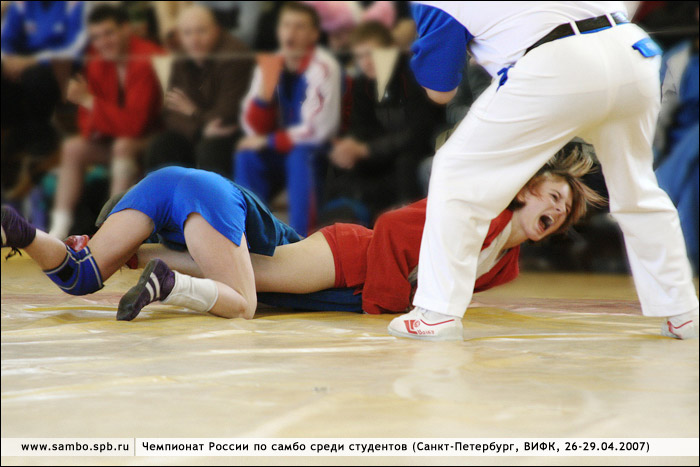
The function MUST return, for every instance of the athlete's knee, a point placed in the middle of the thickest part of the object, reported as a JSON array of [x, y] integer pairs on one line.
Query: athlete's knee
[[78, 274], [250, 307]]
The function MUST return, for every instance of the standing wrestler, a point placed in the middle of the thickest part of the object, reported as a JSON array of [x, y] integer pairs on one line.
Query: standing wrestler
[[561, 69]]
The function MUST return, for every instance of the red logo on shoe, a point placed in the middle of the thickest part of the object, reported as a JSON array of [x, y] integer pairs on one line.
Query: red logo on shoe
[[671, 327], [413, 327], [436, 324], [678, 327]]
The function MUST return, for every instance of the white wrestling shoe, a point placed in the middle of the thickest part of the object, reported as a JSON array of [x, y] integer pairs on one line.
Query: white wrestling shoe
[[683, 326], [427, 325]]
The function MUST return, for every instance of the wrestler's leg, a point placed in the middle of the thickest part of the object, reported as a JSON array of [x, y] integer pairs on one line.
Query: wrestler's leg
[[302, 267], [81, 272], [180, 261], [226, 264]]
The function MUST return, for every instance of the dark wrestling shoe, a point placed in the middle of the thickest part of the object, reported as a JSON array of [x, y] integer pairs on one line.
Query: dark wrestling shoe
[[155, 284], [16, 231]]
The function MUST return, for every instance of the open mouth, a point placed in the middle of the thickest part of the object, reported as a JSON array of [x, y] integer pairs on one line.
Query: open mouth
[[545, 222]]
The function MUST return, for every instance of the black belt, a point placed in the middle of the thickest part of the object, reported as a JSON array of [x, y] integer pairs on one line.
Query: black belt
[[584, 26]]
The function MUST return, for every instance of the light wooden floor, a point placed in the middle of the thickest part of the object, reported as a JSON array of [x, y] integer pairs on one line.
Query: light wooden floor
[[554, 355]]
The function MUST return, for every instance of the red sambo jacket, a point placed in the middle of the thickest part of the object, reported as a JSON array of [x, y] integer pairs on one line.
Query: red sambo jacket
[[378, 263]]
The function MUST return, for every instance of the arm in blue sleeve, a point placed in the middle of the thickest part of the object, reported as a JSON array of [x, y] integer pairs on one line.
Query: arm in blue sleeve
[[75, 39], [12, 30], [440, 52]]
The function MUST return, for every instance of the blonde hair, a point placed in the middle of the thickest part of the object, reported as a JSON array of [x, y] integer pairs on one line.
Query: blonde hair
[[569, 164]]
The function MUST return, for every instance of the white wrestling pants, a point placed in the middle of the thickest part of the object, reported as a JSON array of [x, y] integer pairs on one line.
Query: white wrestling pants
[[595, 86]]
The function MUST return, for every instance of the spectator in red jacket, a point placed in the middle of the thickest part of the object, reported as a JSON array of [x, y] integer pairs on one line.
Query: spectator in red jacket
[[119, 101]]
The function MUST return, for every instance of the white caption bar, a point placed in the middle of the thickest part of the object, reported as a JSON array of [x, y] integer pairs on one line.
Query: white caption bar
[[235, 447]]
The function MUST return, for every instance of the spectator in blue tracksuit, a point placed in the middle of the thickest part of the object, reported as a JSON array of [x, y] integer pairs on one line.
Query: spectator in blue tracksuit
[[33, 35], [677, 139], [291, 112]]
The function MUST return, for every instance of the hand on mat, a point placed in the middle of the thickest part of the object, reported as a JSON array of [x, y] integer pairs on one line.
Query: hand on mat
[[78, 92], [270, 67], [347, 152], [255, 142], [177, 100], [217, 129]]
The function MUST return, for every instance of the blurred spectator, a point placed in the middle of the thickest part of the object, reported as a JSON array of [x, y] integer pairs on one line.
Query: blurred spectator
[[291, 111], [35, 34], [142, 19], [119, 100], [338, 19], [676, 140], [204, 96], [399, 20], [265, 36], [250, 22], [665, 19], [381, 12], [389, 134], [679, 109], [240, 18], [474, 81], [166, 16], [404, 33]]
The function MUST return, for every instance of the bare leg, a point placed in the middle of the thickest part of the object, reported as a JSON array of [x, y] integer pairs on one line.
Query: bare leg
[[48, 252], [179, 261], [118, 239], [226, 264], [111, 247]]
